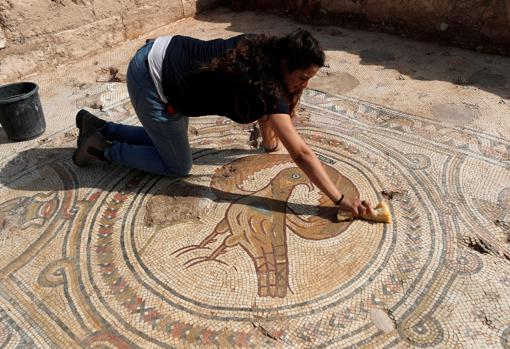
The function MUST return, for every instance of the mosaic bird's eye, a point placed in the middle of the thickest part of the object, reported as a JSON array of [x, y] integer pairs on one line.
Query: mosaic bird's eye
[[296, 176]]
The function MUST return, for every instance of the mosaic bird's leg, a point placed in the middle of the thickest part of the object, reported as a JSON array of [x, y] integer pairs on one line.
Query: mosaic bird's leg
[[272, 272], [221, 228]]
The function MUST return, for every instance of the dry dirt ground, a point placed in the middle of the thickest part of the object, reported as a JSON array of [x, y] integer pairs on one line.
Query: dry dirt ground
[[431, 126]]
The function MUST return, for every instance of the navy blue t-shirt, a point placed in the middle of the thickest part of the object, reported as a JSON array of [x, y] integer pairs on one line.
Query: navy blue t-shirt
[[195, 92]]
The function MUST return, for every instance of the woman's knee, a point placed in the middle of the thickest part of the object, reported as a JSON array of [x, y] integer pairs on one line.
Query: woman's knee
[[182, 170]]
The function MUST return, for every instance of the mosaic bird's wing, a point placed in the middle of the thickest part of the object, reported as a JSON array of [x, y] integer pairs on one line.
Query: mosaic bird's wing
[[264, 238], [229, 178]]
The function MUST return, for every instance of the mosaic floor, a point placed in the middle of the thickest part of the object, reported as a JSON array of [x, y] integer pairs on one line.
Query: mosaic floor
[[245, 252]]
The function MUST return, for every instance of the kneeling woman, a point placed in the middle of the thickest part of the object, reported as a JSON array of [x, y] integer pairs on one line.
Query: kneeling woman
[[246, 78]]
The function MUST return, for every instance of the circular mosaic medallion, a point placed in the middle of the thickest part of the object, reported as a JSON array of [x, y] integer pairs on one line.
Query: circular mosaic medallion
[[253, 239]]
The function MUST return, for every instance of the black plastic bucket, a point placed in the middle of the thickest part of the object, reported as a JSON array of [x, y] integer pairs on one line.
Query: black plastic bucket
[[21, 114]]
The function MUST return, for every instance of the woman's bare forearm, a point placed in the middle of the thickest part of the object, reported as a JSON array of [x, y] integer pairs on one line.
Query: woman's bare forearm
[[269, 137], [311, 166]]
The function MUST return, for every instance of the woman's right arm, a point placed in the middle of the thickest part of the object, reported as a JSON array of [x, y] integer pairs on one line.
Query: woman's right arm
[[304, 157]]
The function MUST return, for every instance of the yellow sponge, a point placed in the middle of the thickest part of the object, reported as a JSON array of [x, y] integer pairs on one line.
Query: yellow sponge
[[381, 214]]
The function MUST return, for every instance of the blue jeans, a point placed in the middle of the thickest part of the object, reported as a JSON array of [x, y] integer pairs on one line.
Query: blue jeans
[[161, 146]]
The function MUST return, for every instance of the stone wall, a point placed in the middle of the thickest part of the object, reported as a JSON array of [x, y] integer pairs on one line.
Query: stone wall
[[483, 25], [35, 34]]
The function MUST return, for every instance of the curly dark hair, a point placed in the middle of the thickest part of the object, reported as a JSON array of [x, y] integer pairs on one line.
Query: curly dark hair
[[256, 63]]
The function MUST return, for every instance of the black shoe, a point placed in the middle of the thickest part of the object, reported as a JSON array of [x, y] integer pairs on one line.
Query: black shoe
[[92, 148], [87, 122]]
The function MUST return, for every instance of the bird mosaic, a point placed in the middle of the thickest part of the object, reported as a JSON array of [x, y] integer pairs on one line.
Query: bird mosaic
[[258, 220]]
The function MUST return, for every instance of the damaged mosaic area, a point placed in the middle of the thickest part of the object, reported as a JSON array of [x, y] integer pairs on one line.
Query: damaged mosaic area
[[245, 252]]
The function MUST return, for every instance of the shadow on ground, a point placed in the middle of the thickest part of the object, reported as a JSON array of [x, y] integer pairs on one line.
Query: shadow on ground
[[30, 169], [418, 60]]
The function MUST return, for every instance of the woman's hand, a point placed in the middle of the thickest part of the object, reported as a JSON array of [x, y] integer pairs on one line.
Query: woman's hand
[[356, 206], [274, 148]]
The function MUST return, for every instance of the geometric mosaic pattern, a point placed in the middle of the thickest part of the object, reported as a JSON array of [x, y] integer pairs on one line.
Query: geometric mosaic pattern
[[245, 252]]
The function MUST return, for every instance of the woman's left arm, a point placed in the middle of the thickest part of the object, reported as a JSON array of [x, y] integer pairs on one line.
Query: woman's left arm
[[269, 137]]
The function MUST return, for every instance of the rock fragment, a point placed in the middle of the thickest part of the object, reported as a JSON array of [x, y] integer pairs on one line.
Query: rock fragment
[[3, 39], [382, 320]]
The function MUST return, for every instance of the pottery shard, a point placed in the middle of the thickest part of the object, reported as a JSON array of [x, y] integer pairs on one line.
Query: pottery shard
[[382, 320]]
